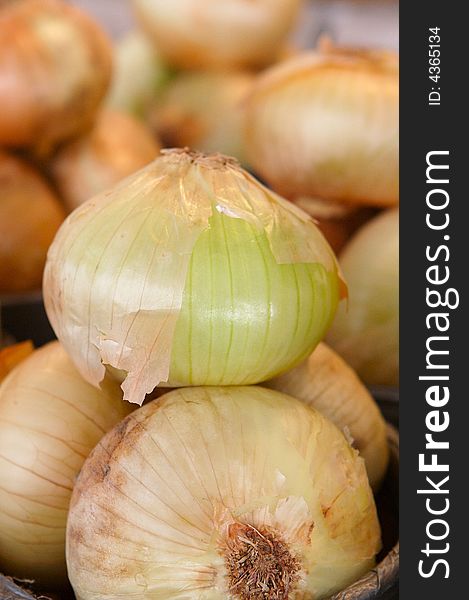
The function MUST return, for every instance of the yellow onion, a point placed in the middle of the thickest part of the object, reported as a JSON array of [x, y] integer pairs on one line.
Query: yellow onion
[[217, 34], [325, 382], [117, 146], [138, 74], [366, 333], [30, 215], [238, 493], [325, 124], [190, 272], [50, 419], [204, 110], [55, 66]]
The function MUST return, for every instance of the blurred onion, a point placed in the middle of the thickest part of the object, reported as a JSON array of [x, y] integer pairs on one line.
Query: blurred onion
[[50, 419], [138, 74], [10, 356], [117, 146], [204, 111], [217, 33], [30, 214], [325, 124], [55, 66], [366, 334]]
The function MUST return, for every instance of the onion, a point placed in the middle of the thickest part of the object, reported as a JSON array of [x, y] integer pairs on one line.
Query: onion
[[204, 110], [117, 146], [189, 273], [217, 34], [30, 214], [55, 66], [50, 419], [325, 382], [325, 124], [366, 334], [221, 493], [138, 75]]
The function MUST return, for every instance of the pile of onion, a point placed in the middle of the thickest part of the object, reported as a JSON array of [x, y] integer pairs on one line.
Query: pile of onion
[[189, 272], [213, 34], [204, 111], [366, 332], [325, 124], [117, 146], [50, 419], [55, 67], [30, 214], [235, 492]]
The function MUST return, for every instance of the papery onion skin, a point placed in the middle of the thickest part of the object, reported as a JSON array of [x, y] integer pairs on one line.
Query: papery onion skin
[[50, 419], [160, 502], [189, 272], [55, 67], [366, 333], [326, 383], [117, 146], [30, 215], [204, 111], [219, 35], [325, 124], [138, 76]]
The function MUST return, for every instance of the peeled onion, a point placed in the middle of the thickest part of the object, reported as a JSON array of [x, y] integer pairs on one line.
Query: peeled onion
[[189, 272], [30, 215], [221, 493], [55, 66], [325, 382], [217, 34], [117, 146], [204, 111], [50, 419], [325, 124], [366, 333]]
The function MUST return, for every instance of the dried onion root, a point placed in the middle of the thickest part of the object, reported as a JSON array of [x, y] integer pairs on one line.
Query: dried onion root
[[325, 382], [55, 67], [223, 493], [325, 124], [117, 146], [50, 419], [30, 215]]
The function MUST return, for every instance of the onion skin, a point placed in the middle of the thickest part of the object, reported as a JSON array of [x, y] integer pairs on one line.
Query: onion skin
[[117, 146], [366, 333], [189, 272], [208, 34], [325, 124], [50, 419], [159, 504], [326, 383], [30, 215], [204, 111], [55, 67]]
